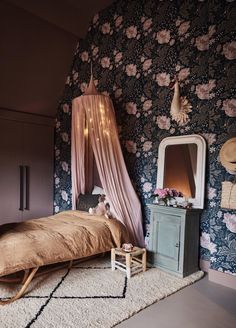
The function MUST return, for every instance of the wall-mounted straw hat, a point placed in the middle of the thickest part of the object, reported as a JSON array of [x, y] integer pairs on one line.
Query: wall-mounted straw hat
[[228, 155]]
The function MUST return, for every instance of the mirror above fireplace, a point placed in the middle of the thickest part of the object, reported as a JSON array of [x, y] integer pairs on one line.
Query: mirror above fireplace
[[181, 166]]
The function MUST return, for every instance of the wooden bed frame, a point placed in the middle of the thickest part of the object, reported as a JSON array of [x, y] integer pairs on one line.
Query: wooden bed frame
[[79, 227], [29, 274]]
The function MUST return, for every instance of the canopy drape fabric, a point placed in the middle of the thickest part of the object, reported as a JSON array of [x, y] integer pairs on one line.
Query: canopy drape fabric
[[93, 119]]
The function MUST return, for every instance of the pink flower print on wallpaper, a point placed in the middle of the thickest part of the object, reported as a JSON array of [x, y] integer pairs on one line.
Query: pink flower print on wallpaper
[[183, 28], [118, 93], [147, 23], [211, 193], [211, 30], [68, 80], [147, 145], [118, 57], [205, 241], [118, 21], [163, 79], [178, 22], [75, 76], [229, 50], [64, 166], [57, 209], [83, 86], [203, 91], [147, 187], [105, 62], [131, 108], [131, 32], [57, 154], [84, 56], [131, 69], [57, 181], [58, 124], [64, 195], [66, 108], [183, 74], [95, 19], [147, 64], [65, 137], [163, 122], [229, 106], [106, 28], [210, 138], [202, 42], [131, 146], [163, 36], [147, 104], [95, 51], [230, 221]]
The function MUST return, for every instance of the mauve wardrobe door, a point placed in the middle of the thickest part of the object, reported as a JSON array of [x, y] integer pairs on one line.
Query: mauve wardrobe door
[[38, 165], [11, 137]]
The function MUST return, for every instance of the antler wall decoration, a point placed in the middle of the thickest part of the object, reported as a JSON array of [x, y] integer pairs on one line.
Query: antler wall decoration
[[180, 106]]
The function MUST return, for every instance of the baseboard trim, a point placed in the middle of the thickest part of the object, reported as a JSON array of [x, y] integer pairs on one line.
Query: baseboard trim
[[204, 265], [222, 278]]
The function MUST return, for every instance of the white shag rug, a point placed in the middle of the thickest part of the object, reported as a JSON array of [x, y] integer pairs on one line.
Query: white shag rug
[[88, 295]]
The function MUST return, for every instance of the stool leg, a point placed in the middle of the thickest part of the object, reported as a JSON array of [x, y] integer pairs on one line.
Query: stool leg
[[113, 258], [144, 260], [128, 265]]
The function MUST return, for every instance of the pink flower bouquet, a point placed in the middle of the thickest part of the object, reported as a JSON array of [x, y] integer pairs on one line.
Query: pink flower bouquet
[[166, 194]]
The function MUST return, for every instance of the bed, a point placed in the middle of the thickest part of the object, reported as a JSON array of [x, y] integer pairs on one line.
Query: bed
[[66, 236]]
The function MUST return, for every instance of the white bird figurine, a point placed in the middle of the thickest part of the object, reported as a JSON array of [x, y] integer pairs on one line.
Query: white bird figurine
[[180, 107]]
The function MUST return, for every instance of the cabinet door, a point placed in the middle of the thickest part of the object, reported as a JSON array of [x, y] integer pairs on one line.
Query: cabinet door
[[11, 134], [38, 161], [168, 241]]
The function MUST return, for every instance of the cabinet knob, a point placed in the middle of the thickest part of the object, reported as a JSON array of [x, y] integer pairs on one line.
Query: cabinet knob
[[177, 245]]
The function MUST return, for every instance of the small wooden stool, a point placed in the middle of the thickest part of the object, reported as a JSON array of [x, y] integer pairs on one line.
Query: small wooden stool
[[129, 261]]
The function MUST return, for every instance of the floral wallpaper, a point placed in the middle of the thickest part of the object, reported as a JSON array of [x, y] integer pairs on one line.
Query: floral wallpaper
[[137, 48]]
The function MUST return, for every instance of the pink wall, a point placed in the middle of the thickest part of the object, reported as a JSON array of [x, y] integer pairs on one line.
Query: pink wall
[[34, 63]]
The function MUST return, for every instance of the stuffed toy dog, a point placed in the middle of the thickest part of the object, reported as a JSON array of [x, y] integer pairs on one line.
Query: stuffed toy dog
[[101, 208]]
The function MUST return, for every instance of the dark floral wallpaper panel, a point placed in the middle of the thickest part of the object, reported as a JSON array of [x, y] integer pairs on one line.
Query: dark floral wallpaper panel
[[137, 48]]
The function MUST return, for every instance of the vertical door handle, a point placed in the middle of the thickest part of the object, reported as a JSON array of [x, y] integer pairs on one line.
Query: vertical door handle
[[21, 208], [27, 173]]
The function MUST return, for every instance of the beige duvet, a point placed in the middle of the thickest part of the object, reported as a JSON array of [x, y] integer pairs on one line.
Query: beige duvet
[[58, 238]]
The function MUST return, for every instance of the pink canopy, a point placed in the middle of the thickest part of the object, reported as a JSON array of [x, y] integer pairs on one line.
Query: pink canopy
[[94, 131]]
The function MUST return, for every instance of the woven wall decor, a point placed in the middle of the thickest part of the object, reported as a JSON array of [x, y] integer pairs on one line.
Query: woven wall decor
[[228, 195]]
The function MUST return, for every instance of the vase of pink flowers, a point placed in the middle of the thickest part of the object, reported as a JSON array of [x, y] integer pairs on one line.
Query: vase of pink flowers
[[165, 195]]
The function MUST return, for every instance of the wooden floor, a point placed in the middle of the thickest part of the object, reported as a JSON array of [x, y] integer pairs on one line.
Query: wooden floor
[[201, 305]]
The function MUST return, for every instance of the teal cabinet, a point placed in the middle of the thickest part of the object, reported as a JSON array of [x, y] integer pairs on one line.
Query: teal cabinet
[[174, 239]]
